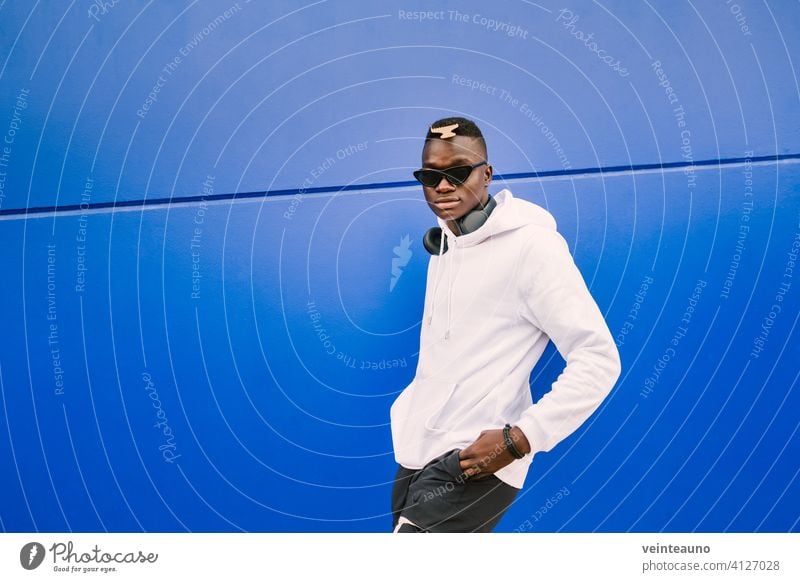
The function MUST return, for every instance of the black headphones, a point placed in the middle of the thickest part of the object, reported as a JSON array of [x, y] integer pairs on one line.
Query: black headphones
[[470, 222]]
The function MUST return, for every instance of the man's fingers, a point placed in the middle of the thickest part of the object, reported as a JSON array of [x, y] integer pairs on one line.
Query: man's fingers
[[468, 465], [466, 456], [481, 457], [470, 472], [472, 466]]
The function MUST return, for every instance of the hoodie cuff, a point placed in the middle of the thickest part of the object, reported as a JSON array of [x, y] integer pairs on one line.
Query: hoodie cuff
[[533, 432]]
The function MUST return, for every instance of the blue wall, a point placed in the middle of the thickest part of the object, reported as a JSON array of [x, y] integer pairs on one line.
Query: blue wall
[[199, 206]]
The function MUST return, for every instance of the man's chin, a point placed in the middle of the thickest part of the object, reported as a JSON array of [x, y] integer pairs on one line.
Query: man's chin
[[451, 214]]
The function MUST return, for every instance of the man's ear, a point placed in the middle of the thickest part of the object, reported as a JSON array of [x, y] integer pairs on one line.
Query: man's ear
[[488, 174]]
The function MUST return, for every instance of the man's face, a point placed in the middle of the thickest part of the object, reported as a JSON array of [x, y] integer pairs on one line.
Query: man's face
[[448, 201]]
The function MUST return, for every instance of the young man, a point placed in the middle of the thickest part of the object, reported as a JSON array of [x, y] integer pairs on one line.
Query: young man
[[501, 284]]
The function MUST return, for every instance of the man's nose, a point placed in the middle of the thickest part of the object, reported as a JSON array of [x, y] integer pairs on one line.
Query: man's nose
[[444, 186]]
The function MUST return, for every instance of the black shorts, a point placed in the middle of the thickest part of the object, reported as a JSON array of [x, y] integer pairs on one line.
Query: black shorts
[[438, 498]]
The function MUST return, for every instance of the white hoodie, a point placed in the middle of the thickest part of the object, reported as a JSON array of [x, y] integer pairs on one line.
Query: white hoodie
[[492, 303]]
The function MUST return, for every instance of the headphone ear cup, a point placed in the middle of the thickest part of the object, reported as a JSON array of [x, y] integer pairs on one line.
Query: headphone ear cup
[[472, 221], [476, 218], [433, 240]]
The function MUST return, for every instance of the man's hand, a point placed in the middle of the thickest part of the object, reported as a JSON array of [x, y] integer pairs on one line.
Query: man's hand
[[489, 454]]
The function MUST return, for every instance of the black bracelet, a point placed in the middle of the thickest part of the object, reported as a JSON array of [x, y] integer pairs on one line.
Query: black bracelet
[[510, 445]]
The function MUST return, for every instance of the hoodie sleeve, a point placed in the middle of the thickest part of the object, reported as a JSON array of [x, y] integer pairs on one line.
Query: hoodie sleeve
[[556, 300]]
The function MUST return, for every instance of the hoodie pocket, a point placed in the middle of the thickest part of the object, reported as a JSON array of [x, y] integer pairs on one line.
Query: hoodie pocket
[[465, 407], [418, 407]]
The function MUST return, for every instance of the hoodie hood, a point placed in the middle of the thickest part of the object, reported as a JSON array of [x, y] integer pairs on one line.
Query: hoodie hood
[[509, 214]]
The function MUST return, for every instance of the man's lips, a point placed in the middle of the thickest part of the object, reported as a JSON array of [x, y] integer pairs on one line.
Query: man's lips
[[446, 203]]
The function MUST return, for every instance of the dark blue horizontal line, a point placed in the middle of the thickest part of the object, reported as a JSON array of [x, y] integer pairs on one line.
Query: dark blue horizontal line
[[379, 186]]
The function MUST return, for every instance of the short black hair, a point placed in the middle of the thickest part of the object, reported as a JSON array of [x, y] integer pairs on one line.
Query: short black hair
[[465, 127]]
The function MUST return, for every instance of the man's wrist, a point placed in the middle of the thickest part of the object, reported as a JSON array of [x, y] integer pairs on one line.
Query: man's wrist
[[520, 440]]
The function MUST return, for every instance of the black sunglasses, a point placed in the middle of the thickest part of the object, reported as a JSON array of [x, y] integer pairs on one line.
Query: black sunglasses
[[456, 175]]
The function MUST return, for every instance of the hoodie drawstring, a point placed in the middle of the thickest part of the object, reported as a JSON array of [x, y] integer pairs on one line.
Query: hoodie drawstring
[[437, 277], [449, 293]]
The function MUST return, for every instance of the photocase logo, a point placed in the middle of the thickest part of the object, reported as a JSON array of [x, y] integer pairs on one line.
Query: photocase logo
[[402, 256], [31, 555]]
